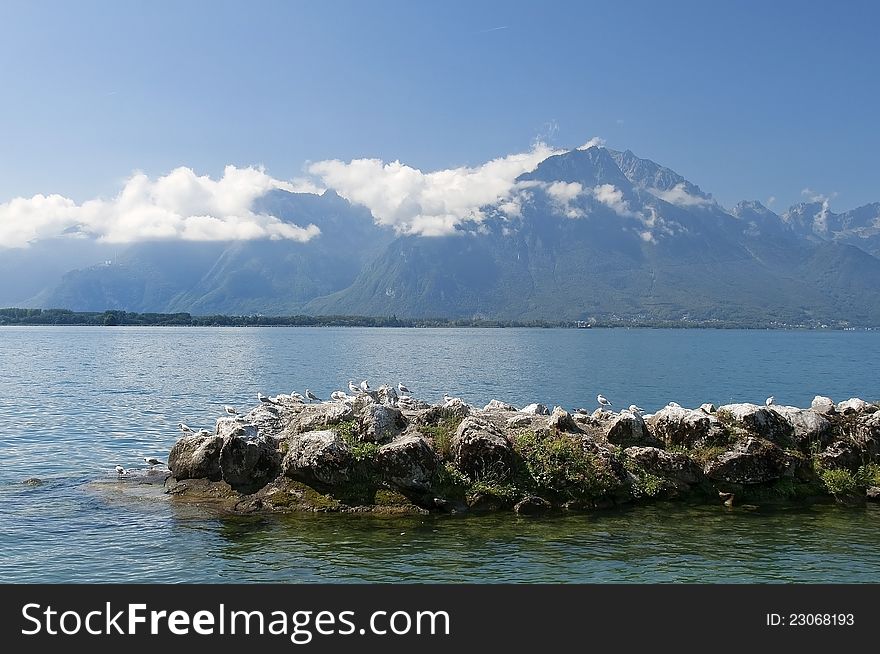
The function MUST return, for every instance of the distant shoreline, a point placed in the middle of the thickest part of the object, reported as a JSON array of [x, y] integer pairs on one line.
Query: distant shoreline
[[115, 318]]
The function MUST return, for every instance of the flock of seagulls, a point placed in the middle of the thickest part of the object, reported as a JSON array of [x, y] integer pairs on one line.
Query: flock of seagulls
[[364, 387]]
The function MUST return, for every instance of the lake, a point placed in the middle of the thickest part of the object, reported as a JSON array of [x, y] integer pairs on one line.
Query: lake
[[75, 402]]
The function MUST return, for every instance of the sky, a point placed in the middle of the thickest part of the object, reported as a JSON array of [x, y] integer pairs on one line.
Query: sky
[[750, 100]]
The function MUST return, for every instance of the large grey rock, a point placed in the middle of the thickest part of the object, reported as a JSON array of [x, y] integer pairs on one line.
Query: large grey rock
[[677, 468], [517, 422], [226, 427], [535, 409], [855, 405], [809, 426], [561, 419], [318, 456], [628, 428], [866, 436], [249, 465], [822, 404], [840, 455], [378, 423], [408, 462], [313, 417], [267, 419], [498, 405], [752, 461], [196, 457], [456, 408], [387, 395], [677, 426], [760, 420], [480, 449]]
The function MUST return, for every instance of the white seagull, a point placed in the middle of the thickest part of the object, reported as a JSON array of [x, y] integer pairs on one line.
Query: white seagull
[[365, 386], [152, 461], [447, 399], [120, 470], [338, 396], [203, 432], [674, 405], [263, 398], [230, 410], [636, 409], [354, 389], [311, 396], [185, 428], [403, 390], [602, 400], [770, 400], [296, 396]]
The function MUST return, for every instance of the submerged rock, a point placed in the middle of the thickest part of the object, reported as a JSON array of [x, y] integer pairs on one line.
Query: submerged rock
[[532, 505]]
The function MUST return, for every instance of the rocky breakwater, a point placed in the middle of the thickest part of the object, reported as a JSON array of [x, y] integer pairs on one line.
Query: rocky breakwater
[[378, 452]]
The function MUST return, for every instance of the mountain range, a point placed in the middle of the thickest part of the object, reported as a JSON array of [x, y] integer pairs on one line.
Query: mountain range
[[589, 234]]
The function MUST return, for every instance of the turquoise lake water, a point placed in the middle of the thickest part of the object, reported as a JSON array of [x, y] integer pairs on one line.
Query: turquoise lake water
[[75, 402]]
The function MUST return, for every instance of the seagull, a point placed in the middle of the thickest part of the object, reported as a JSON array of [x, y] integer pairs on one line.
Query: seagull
[[403, 390], [263, 398], [354, 389], [365, 386], [152, 461], [674, 405], [447, 399], [770, 400], [297, 397], [602, 400], [230, 410], [636, 409], [338, 396], [185, 428], [120, 470], [203, 432], [312, 396]]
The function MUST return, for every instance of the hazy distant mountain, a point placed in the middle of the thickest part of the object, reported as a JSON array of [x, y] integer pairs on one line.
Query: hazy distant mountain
[[263, 276], [591, 233]]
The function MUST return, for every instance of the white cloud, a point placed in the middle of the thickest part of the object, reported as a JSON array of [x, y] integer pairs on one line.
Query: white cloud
[[678, 196], [820, 219], [429, 204], [562, 194], [771, 200], [612, 197], [593, 142], [179, 205]]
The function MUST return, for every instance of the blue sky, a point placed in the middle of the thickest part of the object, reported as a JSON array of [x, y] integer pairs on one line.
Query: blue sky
[[747, 99]]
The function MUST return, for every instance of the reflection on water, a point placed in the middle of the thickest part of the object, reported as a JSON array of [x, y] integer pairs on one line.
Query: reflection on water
[[76, 402]]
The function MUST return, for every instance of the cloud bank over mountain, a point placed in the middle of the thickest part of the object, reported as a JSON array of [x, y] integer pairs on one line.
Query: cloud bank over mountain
[[178, 206], [183, 205]]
